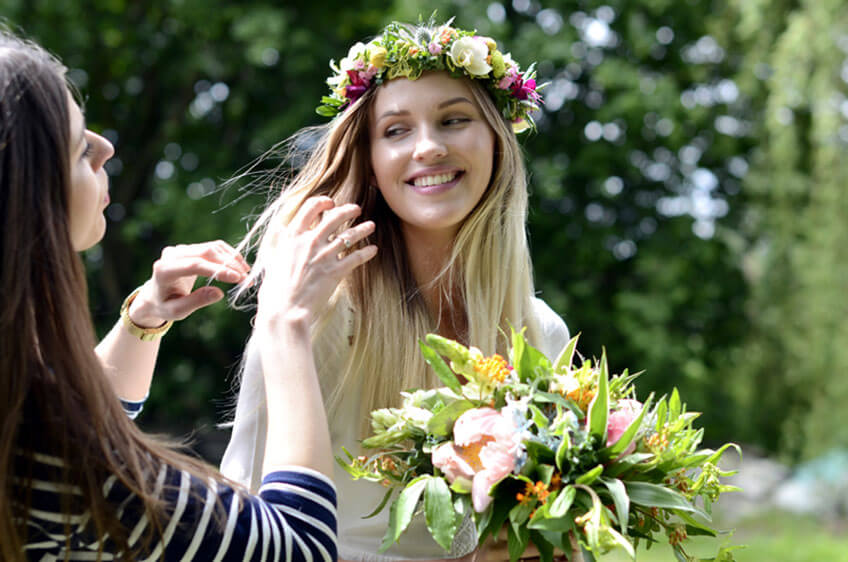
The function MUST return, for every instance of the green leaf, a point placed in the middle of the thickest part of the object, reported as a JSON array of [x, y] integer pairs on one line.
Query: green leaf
[[590, 476], [546, 549], [517, 541], [599, 409], [622, 502], [441, 424], [560, 505], [539, 453], [539, 418], [383, 503], [383, 440], [402, 511], [542, 520], [520, 513], [439, 512], [654, 495], [674, 406], [527, 361], [566, 356], [440, 367], [660, 413], [562, 451], [630, 461], [325, 111]]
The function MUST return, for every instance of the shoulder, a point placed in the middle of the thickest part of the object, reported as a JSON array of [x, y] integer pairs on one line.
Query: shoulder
[[553, 331]]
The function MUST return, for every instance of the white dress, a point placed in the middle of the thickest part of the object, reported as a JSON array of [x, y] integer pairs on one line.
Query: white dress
[[358, 538]]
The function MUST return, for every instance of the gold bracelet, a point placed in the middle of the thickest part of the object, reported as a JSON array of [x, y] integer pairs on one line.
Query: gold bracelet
[[144, 334]]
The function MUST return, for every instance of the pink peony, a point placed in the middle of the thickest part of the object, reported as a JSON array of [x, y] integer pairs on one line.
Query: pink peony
[[626, 411], [482, 454]]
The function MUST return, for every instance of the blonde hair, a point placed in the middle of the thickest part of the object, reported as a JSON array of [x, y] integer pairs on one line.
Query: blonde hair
[[487, 276]]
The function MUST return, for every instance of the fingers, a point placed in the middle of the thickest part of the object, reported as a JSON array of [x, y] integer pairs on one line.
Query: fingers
[[217, 260], [179, 308], [310, 212], [347, 239]]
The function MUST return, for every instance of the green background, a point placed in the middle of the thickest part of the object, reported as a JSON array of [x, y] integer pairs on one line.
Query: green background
[[687, 181]]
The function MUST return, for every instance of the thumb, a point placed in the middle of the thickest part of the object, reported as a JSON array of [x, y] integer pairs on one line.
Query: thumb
[[204, 296]]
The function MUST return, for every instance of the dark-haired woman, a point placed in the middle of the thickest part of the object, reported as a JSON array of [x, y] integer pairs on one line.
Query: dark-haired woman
[[78, 480]]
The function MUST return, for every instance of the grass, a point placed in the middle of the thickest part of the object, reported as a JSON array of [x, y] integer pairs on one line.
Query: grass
[[772, 537]]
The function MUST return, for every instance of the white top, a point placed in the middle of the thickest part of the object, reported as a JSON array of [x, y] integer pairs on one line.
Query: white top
[[358, 538]]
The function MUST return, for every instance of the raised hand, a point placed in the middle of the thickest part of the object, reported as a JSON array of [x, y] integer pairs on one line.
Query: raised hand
[[169, 295], [305, 260]]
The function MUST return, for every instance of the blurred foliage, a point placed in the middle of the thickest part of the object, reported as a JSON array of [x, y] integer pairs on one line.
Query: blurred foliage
[[685, 178]]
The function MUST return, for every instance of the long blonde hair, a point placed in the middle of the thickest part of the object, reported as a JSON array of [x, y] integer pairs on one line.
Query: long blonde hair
[[487, 276]]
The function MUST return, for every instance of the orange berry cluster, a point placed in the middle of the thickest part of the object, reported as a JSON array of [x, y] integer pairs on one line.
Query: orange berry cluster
[[538, 491], [658, 442]]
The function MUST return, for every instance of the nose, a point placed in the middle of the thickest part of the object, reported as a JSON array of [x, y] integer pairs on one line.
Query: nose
[[103, 151], [428, 146]]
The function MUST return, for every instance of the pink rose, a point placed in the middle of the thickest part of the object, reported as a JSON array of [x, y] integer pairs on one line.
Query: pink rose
[[434, 48], [483, 453], [626, 411]]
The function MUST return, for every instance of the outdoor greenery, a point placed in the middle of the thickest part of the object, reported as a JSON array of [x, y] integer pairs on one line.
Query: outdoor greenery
[[686, 177]]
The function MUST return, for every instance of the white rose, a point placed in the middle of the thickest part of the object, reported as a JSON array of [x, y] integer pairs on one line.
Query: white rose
[[471, 54], [354, 53]]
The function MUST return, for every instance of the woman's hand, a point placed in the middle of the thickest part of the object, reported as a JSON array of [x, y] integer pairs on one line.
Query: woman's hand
[[303, 264], [168, 294], [306, 260]]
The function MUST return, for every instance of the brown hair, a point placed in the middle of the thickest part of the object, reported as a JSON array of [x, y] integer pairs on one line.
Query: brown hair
[[56, 399]]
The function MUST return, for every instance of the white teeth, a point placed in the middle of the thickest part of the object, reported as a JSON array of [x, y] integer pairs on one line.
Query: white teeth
[[426, 181]]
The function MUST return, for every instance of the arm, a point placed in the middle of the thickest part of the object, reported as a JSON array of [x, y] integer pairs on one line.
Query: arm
[[166, 296], [303, 264]]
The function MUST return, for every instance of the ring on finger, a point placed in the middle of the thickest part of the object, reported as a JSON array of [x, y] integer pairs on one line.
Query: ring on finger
[[346, 242]]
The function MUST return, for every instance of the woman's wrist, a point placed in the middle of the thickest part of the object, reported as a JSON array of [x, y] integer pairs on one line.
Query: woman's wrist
[[139, 311], [146, 328]]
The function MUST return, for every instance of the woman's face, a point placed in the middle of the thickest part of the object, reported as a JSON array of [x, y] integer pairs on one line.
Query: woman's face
[[432, 151], [89, 184]]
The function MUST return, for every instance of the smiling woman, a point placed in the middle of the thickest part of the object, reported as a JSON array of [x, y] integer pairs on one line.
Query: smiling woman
[[424, 143]]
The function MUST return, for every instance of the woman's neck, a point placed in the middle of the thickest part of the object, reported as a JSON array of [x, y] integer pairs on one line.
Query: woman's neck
[[428, 254]]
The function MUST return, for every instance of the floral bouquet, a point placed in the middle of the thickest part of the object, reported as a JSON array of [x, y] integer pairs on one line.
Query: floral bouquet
[[562, 456]]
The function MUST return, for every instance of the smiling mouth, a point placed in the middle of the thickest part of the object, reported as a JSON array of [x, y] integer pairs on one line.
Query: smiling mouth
[[436, 179]]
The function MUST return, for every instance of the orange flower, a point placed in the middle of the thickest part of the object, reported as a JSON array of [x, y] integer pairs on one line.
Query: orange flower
[[538, 491], [582, 397], [493, 369]]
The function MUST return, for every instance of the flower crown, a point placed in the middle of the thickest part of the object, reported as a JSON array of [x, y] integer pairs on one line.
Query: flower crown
[[405, 51]]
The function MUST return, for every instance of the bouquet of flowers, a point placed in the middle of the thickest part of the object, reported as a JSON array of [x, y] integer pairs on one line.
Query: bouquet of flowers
[[561, 455]]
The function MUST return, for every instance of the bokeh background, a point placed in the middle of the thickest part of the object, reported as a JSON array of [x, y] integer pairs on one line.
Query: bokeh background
[[688, 184]]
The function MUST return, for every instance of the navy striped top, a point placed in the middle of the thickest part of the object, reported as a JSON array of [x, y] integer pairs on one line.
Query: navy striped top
[[293, 518]]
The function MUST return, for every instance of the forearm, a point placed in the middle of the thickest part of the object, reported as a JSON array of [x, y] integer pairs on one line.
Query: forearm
[[128, 362], [297, 425]]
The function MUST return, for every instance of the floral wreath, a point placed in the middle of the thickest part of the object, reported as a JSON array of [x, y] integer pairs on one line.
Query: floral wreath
[[405, 51]]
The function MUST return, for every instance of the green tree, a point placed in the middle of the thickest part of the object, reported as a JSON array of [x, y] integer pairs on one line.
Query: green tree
[[795, 358]]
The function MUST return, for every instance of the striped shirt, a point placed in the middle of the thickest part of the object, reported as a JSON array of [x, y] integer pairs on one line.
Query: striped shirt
[[292, 518]]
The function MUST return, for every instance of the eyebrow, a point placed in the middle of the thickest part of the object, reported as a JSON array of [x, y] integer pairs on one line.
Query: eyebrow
[[446, 103]]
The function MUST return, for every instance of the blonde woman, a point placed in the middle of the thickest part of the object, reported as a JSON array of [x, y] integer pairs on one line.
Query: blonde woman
[[424, 142]]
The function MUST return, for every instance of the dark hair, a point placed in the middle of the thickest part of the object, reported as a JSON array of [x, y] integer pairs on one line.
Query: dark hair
[[55, 398]]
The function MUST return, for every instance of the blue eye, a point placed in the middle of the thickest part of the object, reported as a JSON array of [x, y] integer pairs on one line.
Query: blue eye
[[457, 120]]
